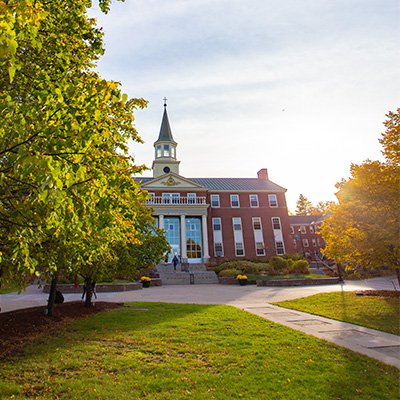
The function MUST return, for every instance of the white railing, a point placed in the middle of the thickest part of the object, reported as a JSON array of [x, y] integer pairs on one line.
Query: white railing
[[190, 201]]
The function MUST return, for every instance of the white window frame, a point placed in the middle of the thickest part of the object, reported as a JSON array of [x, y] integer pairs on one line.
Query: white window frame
[[291, 229], [255, 196], [236, 223], [214, 198], [166, 198], [273, 223], [238, 200], [303, 229], [236, 249], [258, 247], [258, 221], [311, 229], [277, 248], [219, 223], [314, 242], [305, 243], [221, 252], [191, 198], [175, 198], [271, 202]]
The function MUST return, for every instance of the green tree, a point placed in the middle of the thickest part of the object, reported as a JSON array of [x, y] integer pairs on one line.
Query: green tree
[[364, 228], [66, 188], [304, 206]]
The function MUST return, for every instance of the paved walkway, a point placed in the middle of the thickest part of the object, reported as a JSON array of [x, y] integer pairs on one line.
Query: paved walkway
[[379, 345]]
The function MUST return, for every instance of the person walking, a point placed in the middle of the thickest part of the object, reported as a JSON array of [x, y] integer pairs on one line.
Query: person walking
[[175, 261]]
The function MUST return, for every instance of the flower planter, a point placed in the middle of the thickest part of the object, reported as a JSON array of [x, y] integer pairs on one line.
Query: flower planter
[[146, 284], [242, 282]]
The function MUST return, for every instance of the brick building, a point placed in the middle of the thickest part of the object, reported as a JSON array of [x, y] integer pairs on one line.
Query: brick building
[[211, 219], [305, 237]]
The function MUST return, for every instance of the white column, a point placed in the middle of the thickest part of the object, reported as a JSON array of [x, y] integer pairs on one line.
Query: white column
[[206, 256], [183, 237], [161, 221]]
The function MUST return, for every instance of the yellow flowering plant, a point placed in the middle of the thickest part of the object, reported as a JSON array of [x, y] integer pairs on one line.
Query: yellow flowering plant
[[145, 279], [241, 277]]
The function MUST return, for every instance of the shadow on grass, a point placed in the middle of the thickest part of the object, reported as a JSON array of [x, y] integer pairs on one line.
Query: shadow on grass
[[174, 351]]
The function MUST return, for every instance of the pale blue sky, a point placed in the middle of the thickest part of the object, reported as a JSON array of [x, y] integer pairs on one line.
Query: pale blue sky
[[298, 87]]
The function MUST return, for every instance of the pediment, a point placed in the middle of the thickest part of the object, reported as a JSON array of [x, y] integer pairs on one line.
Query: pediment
[[171, 181]]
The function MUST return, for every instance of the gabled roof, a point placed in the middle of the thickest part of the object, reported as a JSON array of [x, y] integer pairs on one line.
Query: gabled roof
[[165, 130], [231, 184], [306, 219]]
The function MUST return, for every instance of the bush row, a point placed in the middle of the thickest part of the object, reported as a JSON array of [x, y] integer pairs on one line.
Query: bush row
[[275, 266]]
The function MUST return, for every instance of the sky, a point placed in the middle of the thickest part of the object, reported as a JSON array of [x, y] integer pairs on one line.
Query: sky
[[298, 87]]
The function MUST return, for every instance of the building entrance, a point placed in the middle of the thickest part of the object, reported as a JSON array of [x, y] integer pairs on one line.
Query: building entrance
[[172, 231], [193, 240]]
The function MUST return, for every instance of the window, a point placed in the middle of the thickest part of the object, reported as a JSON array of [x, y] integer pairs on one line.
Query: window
[[158, 151], [311, 229], [253, 200], [279, 248], [260, 250], [191, 198], [215, 200], [237, 224], [239, 249], [173, 152], [292, 229], [235, 200], [219, 250], [166, 198], [276, 223], [273, 200], [319, 241], [175, 198], [216, 224], [166, 150], [257, 223], [314, 242], [303, 229], [305, 242]]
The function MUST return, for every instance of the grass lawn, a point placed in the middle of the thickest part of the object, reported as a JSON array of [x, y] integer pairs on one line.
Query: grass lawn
[[8, 289], [172, 351], [381, 313]]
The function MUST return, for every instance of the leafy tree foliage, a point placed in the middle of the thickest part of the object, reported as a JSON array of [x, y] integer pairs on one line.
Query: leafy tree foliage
[[66, 190], [364, 228], [304, 206]]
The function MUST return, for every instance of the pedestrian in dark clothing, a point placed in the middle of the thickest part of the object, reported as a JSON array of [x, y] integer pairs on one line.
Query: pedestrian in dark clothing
[[175, 262]]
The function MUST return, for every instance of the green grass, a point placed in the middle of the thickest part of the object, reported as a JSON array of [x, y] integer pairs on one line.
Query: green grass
[[10, 288], [381, 313], [173, 352]]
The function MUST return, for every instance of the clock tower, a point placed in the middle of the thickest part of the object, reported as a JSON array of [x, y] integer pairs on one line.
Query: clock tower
[[165, 149]]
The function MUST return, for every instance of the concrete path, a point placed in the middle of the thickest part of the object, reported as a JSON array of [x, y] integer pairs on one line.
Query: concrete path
[[375, 344]]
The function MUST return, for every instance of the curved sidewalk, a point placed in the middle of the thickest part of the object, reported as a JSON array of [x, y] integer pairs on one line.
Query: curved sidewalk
[[379, 345]]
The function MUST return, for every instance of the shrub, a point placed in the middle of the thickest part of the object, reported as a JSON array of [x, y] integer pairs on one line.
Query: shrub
[[299, 267], [279, 265], [230, 273], [242, 265]]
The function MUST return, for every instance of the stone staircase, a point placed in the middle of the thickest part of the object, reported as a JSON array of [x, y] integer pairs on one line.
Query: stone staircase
[[189, 274]]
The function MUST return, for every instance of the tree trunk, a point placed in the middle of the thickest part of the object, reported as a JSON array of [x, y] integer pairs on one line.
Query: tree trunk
[[398, 276], [52, 296], [89, 292]]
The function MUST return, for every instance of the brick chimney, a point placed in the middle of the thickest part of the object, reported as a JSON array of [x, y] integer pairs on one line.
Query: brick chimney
[[263, 174]]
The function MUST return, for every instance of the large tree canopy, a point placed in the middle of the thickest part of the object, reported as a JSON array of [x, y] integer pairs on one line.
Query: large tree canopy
[[66, 188], [364, 228]]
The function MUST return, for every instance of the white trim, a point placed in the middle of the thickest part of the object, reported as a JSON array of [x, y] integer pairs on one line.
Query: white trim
[[276, 200], [211, 200], [256, 198], [238, 201]]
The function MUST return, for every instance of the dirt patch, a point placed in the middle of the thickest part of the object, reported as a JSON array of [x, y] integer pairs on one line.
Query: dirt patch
[[382, 293], [17, 328]]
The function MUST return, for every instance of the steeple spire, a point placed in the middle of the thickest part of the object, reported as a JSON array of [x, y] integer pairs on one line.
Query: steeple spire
[[165, 149]]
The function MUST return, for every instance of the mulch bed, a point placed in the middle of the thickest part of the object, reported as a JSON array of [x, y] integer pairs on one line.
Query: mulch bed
[[20, 327], [382, 293]]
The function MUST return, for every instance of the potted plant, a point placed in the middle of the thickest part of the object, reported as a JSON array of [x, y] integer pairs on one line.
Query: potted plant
[[242, 280], [145, 281]]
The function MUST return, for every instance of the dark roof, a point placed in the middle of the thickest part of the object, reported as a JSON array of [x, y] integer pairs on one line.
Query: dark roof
[[165, 130], [231, 184], [305, 219]]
